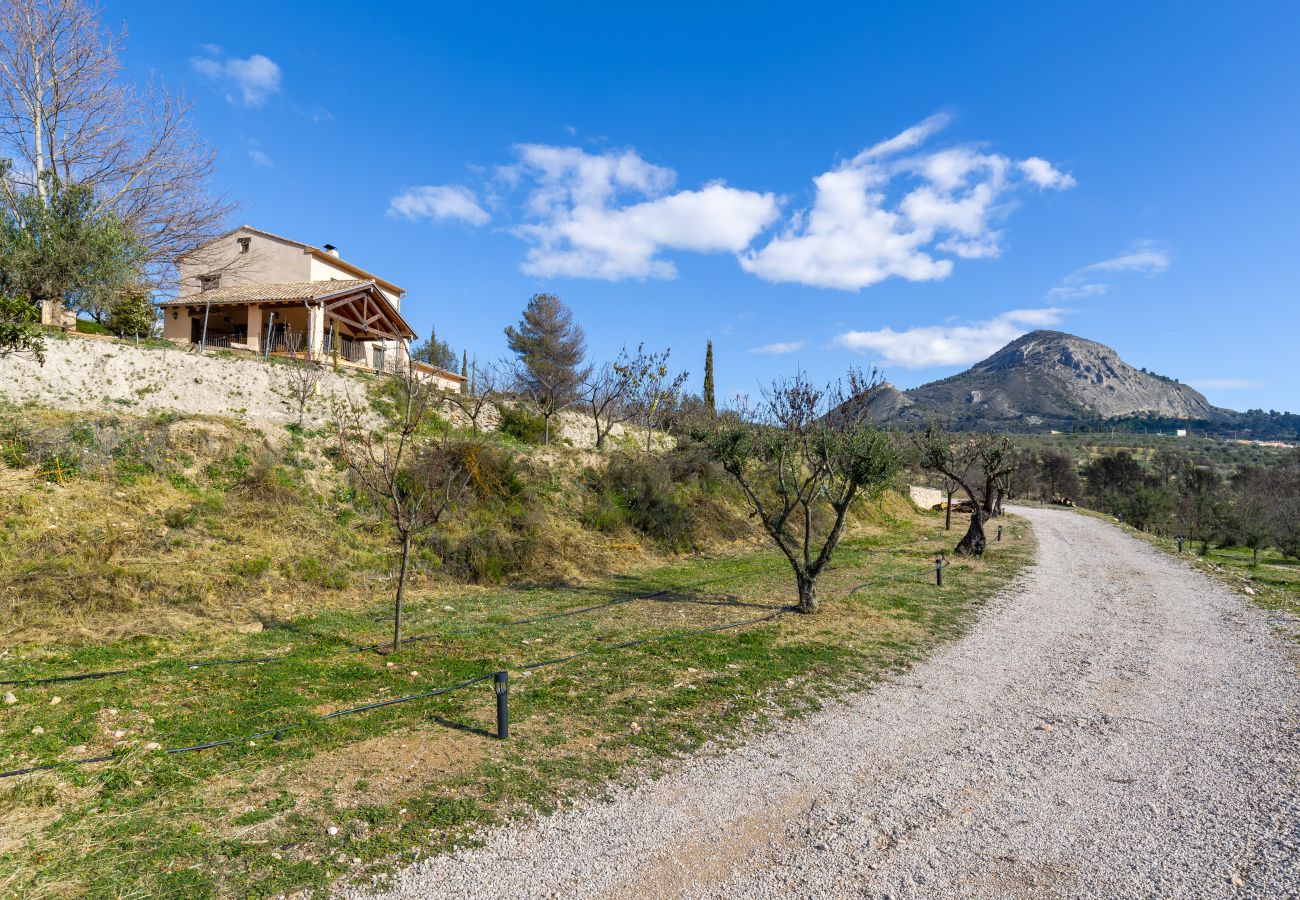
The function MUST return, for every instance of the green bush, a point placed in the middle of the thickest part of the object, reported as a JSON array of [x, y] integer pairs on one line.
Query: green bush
[[648, 494], [522, 424], [492, 547]]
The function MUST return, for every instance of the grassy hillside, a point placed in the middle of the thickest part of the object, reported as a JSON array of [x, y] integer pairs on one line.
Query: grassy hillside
[[147, 544]]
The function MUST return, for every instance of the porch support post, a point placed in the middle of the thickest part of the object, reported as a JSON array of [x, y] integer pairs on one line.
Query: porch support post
[[315, 331], [254, 338]]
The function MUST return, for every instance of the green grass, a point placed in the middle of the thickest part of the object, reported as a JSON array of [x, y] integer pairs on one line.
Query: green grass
[[253, 819]]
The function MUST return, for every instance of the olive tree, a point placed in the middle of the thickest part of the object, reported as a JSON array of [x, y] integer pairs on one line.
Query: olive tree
[[979, 465], [801, 458]]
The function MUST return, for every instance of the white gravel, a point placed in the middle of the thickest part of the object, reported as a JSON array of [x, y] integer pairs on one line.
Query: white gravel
[[1170, 768]]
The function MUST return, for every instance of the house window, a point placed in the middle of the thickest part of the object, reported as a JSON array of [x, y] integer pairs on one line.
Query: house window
[[243, 244], [209, 282]]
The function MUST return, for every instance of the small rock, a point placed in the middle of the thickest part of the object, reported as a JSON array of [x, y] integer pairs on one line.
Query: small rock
[[448, 609], [1046, 726], [1249, 591], [153, 745], [250, 628], [390, 665], [1237, 881], [55, 701], [38, 730], [119, 734], [331, 831], [415, 674], [10, 699]]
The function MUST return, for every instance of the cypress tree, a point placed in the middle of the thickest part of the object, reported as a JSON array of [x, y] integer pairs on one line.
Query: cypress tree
[[708, 381], [464, 363]]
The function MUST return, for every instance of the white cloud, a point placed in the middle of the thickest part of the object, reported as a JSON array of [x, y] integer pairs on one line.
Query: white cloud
[[860, 232], [949, 345], [440, 202], [893, 210], [246, 82], [1145, 258], [1045, 175], [781, 347], [1225, 384], [260, 159], [610, 215]]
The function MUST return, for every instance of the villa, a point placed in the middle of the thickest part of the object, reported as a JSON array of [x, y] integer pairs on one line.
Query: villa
[[255, 291]]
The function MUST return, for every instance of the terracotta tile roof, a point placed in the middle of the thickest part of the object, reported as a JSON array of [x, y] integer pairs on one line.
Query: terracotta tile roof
[[268, 291]]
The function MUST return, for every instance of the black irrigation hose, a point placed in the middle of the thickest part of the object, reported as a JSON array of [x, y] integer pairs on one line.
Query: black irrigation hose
[[368, 706], [277, 732], [942, 563], [663, 637], [356, 649], [84, 676]]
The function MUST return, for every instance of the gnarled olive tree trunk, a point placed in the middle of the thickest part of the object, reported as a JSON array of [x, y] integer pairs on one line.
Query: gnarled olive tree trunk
[[973, 542]]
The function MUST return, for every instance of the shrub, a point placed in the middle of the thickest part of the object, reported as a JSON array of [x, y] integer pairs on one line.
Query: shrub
[[522, 424], [492, 546], [494, 472], [270, 484], [645, 488]]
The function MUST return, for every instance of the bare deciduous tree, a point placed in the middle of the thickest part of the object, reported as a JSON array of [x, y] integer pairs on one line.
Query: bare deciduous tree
[[479, 391], [414, 480], [606, 393], [801, 459], [66, 109], [302, 377]]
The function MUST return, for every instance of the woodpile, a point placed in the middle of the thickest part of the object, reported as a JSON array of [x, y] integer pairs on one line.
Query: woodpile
[[1063, 501], [961, 506]]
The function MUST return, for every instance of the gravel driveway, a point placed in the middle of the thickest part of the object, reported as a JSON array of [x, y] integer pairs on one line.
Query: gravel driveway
[[1116, 726]]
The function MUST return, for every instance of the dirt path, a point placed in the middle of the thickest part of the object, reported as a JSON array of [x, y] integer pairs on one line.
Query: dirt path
[[1170, 768]]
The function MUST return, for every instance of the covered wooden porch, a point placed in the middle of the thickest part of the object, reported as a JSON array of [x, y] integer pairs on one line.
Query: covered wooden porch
[[351, 321]]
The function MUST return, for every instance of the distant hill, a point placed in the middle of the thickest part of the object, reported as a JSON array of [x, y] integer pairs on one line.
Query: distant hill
[[1042, 379]]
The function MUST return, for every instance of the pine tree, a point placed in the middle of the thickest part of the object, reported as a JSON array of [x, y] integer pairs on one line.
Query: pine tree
[[550, 346], [709, 403]]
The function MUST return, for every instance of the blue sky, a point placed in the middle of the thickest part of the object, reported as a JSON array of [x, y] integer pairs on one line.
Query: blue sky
[[904, 184]]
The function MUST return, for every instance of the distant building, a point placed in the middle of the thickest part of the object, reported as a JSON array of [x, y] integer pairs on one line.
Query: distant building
[[256, 291], [1181, 432]]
